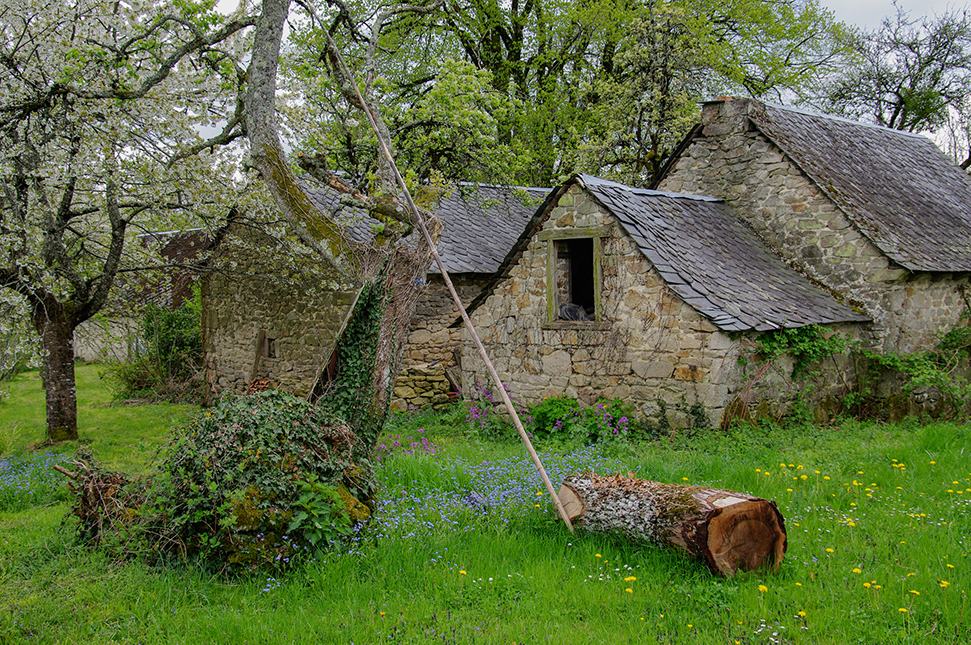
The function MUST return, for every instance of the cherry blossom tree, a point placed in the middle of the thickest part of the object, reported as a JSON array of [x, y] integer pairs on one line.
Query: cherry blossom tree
[[97, 98]]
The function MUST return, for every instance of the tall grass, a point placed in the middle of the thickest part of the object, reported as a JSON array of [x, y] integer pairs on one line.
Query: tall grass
[[465, 548]]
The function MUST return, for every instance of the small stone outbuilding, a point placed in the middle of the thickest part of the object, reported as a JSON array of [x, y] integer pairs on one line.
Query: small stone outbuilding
[[647, 296], [278, 322], [880, 217]]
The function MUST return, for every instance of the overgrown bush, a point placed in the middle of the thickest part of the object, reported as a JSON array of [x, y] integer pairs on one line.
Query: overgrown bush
[[943, 370], [170, 367], [251, 482], [487, 417]]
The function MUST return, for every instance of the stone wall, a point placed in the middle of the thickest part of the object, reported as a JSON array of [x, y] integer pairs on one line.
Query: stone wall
[[269, 313], [433, 344], [102, 339], [648, 345], [732, 160]]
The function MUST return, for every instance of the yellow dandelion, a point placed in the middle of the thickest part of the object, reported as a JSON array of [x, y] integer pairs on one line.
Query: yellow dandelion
[[830, 550], [382, 613], [857, 571], [801, 614], [950, 566], [933, 462], [788, 490], [630, 579], [629, 590], [818, 472], [866, 585], [798, 584], [684, 479], [763, 588], [826, 477], [803, 476], [851, 523], [799, 467], [903, 610], [945, 584], [690, 625], [915, 592], [597, 555], [461, 572]]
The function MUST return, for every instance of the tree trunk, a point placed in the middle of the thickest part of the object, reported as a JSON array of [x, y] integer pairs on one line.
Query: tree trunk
[[57, 338], [730, 531]]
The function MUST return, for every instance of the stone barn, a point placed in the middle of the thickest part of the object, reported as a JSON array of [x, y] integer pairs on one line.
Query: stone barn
[[880, 217], [265, 320], [647, 296]]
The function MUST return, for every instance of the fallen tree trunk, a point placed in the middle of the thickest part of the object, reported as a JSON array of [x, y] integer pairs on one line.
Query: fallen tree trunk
[[730, 531]]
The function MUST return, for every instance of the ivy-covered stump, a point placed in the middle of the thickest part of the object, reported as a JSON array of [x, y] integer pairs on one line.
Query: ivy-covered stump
[[729, 531], [259, 478]]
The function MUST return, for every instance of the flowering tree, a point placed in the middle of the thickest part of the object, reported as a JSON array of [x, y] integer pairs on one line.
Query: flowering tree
[[96, 98]]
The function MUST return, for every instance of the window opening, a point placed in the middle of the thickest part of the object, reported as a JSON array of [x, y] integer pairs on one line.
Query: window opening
[[269, 347], [575, 284]]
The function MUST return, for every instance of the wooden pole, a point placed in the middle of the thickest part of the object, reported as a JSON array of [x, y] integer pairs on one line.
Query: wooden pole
[[510, 408]]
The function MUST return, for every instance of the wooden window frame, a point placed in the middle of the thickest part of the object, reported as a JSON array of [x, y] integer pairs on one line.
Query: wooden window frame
[[552, 314]]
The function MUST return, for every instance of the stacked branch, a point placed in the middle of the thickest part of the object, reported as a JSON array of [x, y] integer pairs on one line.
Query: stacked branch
[[729, 531]]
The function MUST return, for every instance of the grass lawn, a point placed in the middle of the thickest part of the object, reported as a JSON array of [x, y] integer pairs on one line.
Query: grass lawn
[[878, 518]]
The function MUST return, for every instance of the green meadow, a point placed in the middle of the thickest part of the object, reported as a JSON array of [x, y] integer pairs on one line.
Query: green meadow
[[465, 546]]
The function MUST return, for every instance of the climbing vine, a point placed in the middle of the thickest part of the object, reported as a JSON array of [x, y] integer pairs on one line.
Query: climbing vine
[[806, 345], [350, 396]]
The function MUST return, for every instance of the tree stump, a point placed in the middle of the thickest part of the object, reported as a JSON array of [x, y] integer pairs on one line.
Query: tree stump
[[730, 531]]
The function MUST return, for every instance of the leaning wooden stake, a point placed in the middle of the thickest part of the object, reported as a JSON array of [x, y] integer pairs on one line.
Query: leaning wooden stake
[[510, 408], [730, 531]]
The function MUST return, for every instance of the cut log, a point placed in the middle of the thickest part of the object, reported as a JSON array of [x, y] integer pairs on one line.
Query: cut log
[[730, 531]]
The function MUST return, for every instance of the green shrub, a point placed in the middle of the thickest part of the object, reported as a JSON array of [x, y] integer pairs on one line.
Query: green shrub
[[565, 420], [248, 483], [170, 368]]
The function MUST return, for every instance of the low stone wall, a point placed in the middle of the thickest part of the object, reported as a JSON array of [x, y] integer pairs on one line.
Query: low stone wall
[[108, 340], [422, 386]]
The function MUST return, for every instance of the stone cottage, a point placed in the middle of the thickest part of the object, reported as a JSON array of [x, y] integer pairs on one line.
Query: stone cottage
[[880, 217], [279, 324], [648, 296]]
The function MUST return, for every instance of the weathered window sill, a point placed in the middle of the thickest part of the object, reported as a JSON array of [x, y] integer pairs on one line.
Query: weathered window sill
[[602, 325]]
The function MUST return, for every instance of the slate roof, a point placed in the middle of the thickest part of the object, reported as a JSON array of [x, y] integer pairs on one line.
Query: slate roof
[[714, 262], [706, 255], [902, 192], [481, 223]]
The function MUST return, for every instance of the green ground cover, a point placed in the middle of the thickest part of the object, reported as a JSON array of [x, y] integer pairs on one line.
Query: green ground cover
[[465, 546]]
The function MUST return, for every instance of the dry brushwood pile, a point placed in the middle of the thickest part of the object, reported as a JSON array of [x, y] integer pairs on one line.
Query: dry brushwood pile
[[729, 531], [247, 483], [104, 501]]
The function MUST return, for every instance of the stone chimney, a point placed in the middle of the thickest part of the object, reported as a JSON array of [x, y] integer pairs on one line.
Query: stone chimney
[[729, 115]]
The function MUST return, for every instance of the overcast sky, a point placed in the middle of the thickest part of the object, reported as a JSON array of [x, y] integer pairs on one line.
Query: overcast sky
[[867, 14]]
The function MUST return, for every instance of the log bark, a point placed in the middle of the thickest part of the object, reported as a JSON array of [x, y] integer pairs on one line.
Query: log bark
[[729, 531]]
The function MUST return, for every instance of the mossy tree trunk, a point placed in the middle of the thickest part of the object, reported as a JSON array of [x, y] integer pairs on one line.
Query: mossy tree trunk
[[391, 269], [729, 531]]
